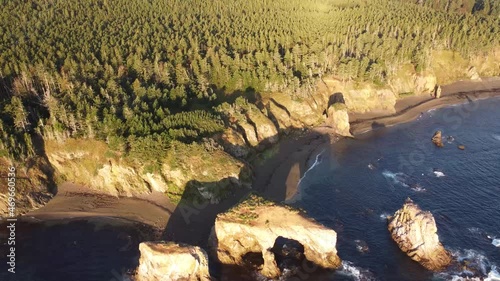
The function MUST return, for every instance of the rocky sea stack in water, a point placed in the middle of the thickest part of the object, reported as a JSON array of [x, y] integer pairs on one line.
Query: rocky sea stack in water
[[170, 261], [253, 228], [437, 139], [415, 232]]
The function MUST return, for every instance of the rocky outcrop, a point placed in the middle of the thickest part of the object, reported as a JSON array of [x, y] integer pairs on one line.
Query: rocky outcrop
[[233, 143], [296, 112], [473, 74], [338, 119], [91, 163], [415, 232], [407, 81], [253, 228], [266, 131], [437, 92], [368, 99], [33, 185], [161, 261], [437, 139]]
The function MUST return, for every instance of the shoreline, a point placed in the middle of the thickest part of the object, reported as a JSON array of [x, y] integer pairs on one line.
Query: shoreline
[[408, 109], [276, 178]]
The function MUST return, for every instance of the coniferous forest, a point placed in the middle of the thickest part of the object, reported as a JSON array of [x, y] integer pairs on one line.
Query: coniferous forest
[[140, 74]]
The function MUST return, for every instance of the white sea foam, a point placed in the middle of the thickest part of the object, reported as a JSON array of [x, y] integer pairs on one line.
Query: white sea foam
[[493, 275], [317, 161], [298, 195], [472, 265], [356, 273], [396, 178], [384, 216], [496, 242], [497, 137], [439, 174], [475, 230], [418, 188]]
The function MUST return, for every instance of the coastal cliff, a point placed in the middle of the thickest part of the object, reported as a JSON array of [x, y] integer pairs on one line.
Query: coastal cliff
[[253, 228], [250, 128], [415, 232], [174, 262]]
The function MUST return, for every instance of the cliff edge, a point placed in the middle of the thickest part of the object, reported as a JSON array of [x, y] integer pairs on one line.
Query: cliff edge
[[254, 226]]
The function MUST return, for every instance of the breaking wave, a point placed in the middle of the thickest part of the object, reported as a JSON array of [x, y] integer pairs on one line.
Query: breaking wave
[[356, 273], [471, 265]]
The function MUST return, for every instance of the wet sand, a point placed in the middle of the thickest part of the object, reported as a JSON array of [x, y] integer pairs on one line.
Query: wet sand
[[74, 201]]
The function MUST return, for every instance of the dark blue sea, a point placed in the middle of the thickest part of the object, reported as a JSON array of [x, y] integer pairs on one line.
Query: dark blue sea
[[357, 183], [352, 187]]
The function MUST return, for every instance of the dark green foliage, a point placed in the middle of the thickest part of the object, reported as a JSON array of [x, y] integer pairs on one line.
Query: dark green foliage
[[127, 70]]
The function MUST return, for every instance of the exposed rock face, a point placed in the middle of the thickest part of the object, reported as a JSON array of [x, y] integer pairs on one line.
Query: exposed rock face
[[264, 127], [301, 112], [32, 189], [234, 143], [437, 93], [174, 262], [253, 227], [85, 162], [473, 74], [415, 232], [339, 119], [368, 99], [405, 82], [437, 139]]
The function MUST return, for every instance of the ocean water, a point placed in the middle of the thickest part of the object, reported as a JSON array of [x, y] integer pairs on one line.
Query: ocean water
[[360, 182], [352, 188]]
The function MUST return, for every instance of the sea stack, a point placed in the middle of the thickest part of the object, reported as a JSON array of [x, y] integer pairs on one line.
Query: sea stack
[[437, 139], [415, 232], [253, 228], [170, 261], [438, 91]]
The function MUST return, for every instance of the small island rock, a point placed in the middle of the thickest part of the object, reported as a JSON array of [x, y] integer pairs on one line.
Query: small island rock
[[170, 261], [415, 232], [437, 139]]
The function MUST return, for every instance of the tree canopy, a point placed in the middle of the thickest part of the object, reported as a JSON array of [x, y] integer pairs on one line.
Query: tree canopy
[[134, 70]]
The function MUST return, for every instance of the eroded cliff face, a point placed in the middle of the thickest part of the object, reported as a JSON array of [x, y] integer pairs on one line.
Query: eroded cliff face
[[91, 163], [161, 261], [415, 232], [33, 185], [253, 228]]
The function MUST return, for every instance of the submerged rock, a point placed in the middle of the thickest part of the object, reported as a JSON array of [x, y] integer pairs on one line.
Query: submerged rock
[[256, 226], [415, 232], [170, 261], [437, 139]]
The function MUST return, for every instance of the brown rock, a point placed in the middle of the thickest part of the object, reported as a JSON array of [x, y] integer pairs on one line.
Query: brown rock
[[170, 261], [234, 143], [437, 93], [437, 139], [461, 147], [253, 228], [415, 232], [338, 119]]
